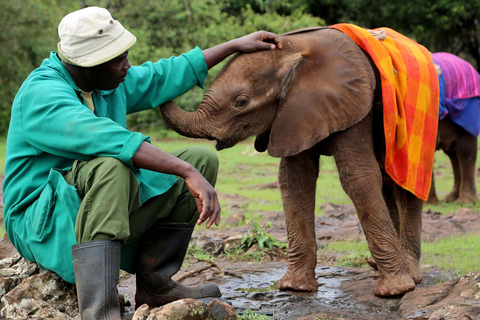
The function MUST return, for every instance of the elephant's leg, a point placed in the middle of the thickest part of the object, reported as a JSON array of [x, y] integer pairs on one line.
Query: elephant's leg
[[457, 176], [432, 196], [388, 190], [297, 179], [467, 157], [361, 179], [410, 221]]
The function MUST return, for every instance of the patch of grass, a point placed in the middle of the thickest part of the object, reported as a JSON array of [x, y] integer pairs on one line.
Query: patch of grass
[[238, 254], [199, 254], [352, 253], [252, 315], [457, 254]]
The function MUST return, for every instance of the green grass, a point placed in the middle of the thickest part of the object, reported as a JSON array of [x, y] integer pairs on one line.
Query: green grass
[[457, 254]]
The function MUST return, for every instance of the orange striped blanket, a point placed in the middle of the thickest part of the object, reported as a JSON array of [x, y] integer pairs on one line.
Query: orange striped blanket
[[410, 93]]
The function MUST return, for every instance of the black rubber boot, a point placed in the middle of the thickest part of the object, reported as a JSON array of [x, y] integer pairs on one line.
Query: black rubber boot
[[97, 267], [160, 255]]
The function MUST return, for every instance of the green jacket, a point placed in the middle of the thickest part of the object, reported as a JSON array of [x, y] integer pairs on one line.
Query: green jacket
[[51, 126]]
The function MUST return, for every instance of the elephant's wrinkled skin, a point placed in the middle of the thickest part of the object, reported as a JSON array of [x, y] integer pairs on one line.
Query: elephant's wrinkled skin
[[317, 96]]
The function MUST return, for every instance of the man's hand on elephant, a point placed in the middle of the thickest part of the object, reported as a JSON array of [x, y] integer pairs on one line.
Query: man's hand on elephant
[[206, 198], [260, 40]]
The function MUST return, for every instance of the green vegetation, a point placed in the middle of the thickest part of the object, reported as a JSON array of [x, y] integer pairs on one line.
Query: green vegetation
[[258, 235], [166, 28], [252, 315], [457, 254], [352, 253]]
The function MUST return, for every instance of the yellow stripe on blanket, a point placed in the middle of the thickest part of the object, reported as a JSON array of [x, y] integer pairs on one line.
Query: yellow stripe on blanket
[[410, 94]]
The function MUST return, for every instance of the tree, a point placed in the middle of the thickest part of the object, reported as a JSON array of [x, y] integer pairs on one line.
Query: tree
[[439, 25], [28, 35]]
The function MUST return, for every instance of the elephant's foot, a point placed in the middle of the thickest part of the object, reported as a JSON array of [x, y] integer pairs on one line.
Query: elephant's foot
[[451, 196], [467, 198], [371, 262], [395, 285], [414, 271], [298, 281]]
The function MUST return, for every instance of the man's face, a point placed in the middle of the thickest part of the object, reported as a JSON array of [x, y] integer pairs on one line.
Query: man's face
[[110, 74]]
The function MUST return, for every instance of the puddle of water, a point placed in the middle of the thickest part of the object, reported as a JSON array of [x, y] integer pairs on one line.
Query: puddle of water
[[259, 292]]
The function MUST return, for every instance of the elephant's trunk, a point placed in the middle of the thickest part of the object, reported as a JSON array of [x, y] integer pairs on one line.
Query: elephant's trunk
[[189, 124]]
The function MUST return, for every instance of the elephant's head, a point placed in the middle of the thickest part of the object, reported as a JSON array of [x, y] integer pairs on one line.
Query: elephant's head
[[320, 83]]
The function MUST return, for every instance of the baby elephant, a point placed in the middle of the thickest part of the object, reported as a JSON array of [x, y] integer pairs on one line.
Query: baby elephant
[[320, 95]]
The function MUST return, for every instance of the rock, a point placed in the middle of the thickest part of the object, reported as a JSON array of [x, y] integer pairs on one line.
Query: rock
[[221, 310], [450, 300], [185, 309], [7, 250], [41, 296], [212, 246], [233, 242], [234, 219], [13, 271]]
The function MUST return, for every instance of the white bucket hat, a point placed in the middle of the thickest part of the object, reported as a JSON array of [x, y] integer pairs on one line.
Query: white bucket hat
[[90, 36]]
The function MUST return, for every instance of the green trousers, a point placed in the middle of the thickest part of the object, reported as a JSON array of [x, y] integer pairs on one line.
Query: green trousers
[[111, 208]]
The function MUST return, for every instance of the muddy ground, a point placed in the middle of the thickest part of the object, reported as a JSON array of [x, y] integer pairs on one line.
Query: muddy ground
[[344, 292]]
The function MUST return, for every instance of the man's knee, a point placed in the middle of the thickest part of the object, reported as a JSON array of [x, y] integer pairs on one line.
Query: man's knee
[[204, 159], [111, 166]]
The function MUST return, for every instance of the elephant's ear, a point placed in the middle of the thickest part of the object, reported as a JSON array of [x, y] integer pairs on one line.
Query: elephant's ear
[[329, 90]]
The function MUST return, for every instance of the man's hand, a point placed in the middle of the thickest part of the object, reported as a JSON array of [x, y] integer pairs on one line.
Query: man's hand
[[205, 197], [260, 40], [152, 158]]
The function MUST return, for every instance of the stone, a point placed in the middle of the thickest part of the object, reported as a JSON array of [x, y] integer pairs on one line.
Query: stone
[[221, 310], [184, 309]]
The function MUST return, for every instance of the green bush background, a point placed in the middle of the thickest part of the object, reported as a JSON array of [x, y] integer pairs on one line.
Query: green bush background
[[171, 27]]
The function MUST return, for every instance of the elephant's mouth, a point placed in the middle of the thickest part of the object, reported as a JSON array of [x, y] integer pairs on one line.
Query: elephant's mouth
[[224, 144]]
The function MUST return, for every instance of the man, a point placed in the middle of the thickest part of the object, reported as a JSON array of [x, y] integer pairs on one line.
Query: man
[[78, 183]]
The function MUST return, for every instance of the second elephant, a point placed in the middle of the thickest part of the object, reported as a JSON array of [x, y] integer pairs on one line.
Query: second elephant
[[459, 123]]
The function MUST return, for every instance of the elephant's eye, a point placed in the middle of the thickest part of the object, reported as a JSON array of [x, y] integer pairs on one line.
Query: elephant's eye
[[241, 103]]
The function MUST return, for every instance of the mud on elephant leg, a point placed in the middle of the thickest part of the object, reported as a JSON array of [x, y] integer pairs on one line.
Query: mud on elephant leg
[[406, 213], [410, 214], [388, 190], [297, 178], [361, 178]]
